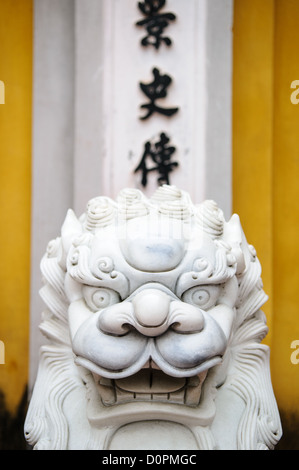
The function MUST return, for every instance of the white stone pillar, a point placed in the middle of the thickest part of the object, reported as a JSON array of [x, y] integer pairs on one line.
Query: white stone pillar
[[88, 137], [53, 140], [110, 63]]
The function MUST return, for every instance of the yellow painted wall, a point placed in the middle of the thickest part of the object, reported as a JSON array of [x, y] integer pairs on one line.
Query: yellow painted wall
[[266, 172], [15, 194], [286, 203], [265, 177], [253, 129]]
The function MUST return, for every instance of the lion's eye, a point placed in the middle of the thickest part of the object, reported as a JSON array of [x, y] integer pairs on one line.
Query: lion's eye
[[98, 298], [204, 297]]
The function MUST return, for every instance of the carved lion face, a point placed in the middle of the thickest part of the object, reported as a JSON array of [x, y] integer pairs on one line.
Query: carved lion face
[[154, 290], [151, 311], [152, 297]]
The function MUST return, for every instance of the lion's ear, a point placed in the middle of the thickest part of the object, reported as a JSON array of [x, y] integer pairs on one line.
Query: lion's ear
[[233, 234]]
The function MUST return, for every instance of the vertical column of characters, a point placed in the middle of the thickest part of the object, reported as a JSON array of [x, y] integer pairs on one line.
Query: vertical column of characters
[[157, 154]]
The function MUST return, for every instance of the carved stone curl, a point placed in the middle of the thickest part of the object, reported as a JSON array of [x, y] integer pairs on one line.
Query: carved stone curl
[[154, 331]]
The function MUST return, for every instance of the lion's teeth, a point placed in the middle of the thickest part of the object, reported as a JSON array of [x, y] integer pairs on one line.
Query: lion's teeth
[[150, 364], [194, 381], [124, 396], [106, 390], [151, 385], [154, 365], [176, 397], [149, 381], [192, 396], [193, 389], [105, 381]]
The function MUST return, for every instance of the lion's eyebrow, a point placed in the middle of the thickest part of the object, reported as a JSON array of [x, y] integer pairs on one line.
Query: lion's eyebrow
[[100, 273], [206, 272]]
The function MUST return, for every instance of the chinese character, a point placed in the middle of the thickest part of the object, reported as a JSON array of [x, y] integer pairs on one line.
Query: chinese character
[[154, 91], [159, 154], [154, 22]]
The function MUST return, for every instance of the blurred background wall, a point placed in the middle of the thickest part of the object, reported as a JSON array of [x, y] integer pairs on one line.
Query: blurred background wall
[[261, 166]]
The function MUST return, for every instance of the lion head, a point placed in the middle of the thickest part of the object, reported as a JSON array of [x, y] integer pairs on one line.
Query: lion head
[[154, 326]]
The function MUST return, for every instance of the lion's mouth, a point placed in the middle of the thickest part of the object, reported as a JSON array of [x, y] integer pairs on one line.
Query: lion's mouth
[[151, 384]]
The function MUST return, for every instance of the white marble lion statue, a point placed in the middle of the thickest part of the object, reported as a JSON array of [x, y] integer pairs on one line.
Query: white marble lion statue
[[154, 331]]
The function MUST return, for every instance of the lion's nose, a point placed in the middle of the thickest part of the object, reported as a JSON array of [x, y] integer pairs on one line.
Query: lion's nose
[[151, 308], [151, 312]]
